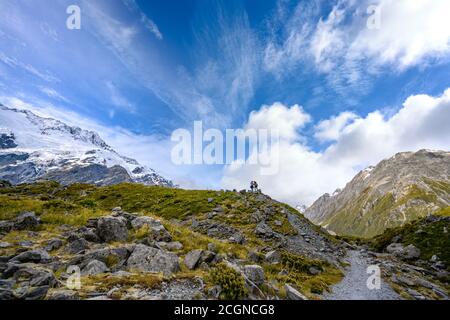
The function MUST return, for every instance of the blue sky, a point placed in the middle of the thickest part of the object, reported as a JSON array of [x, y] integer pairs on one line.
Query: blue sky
[[137, 70]]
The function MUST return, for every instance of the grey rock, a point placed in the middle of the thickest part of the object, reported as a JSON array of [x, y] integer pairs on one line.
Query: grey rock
[[214, 292], [263, 230], [174, 246], [192, 259], [293, 294], [253, 256], [212, 247], [6, 226], [95, 267], [53, 244], [112, 229], [273, 257], [31, 293], [314, 271], [35, 276], [159, 233], [409, 252], [26, 220], [255, 274], [36, 256], [77, 245], [62, 294], [147, 259], [139, 222], [4, 245]]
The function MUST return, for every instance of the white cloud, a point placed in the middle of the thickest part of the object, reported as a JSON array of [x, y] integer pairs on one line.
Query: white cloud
[[421, 123], [348, 53], [118, 99], [330, 129], [286, 121], [52, 93]]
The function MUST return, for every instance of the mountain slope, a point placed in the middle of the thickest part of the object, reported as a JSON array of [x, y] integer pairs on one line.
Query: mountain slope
[[33, 147], [398, 190]]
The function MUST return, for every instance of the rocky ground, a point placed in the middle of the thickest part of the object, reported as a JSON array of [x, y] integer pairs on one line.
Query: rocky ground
[[246, 246], [214, 245]]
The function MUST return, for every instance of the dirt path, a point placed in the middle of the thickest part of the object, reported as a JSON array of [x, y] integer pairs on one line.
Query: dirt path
[[353, 286]]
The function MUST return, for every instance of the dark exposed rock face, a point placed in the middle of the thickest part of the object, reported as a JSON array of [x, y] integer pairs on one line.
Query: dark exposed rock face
[[7, 141], [94, 174]]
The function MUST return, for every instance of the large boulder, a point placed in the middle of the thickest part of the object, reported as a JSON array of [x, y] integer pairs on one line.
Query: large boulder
[[62, 294], [148, 259], [192, 259], [26, 220], [142, 221], [255, 274], [111, 229], [159, 233], [94, 267], [36, 256], [399, 250]]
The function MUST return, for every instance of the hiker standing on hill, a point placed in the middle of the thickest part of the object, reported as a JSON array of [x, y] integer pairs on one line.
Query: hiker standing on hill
[[254, 186]]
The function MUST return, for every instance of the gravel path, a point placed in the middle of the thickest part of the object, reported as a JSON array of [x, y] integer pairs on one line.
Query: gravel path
[[353, 286]]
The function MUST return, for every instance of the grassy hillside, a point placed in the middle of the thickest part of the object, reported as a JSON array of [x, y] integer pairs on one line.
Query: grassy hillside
[[370, 215], [62, 208]]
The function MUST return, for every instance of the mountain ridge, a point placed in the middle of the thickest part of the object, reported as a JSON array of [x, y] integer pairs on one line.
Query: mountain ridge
[[397, 190], [33, 147]]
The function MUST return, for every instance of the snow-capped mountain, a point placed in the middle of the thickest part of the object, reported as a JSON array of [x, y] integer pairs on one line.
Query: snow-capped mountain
[[33, 148]]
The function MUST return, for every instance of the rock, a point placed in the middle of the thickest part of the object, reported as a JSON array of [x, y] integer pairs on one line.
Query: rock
[[174, 246], [273, 257], [218, 209], [210, 200], [278, 223], [4, 245], [103, 297], [36, 256], [253, 256], [112, 257], [263, 230], [94, 267], [88, 234], [62, 294], [77, 245], [6, 226], [293, 294], [212, 247], [139, 222], [36, 277], [31, 293], [53, 244], [192, 259], [26, 220], [159, 233], [434, 258], [440, 265], [411, 252], [415, 294], [255, 274], [283, 272], [314, 271], [207, 256], [214, 292], [111, 229], [149, 259]]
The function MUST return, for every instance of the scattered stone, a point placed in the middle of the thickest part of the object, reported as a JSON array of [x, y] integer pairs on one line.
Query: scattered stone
[[210, 200], [214, 292], [112, 229], [77, 245], [53, 244], [263, 230], [174, 246], [273, 257], [36, 256], [434, 258], [314, 271], [159, 233], [62, 294], [153, 260], [139, 222], [255, 274], [409, 252], [26, 220], [6, 226], [293, 294], [192, 259], [253, 256], [212, 247], [94, 267], [278, 223], [4, 245]]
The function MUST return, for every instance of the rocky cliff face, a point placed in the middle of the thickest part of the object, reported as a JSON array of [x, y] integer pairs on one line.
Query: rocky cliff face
[[33, 148], [398, 190]]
